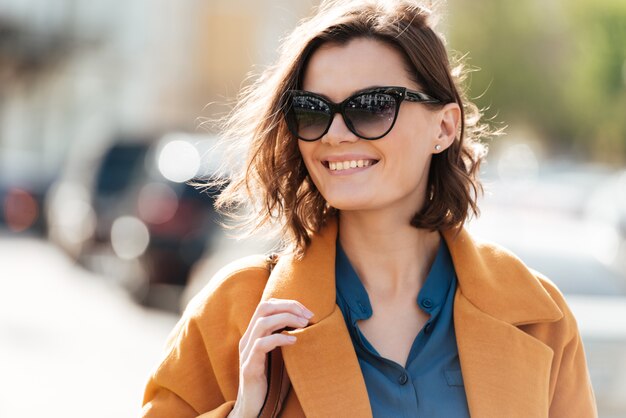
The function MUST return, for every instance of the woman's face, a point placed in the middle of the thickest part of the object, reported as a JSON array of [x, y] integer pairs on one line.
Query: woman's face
[[397, 176]]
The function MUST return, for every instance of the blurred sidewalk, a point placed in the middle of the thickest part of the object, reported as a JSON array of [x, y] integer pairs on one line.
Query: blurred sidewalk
[[70, 344]]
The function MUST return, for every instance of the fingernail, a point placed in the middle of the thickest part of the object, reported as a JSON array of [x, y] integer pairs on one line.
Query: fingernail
[[307, 314], [291, 338]]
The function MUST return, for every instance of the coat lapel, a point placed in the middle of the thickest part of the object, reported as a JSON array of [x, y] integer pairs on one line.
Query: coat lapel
[[506, 371], [322, 364]]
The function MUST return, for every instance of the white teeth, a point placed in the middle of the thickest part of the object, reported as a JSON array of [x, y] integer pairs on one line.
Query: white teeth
[[344, 165]]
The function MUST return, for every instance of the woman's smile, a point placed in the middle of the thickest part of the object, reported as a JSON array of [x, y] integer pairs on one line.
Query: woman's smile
[[348, 164]]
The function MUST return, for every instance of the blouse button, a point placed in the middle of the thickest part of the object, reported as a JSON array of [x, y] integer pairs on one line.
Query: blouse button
[[427, 303], [403, 379]]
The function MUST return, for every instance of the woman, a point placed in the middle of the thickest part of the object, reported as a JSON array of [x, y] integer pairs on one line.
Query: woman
[[364, 150]]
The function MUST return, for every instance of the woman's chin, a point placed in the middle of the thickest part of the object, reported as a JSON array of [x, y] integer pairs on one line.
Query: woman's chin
[[352, 204]]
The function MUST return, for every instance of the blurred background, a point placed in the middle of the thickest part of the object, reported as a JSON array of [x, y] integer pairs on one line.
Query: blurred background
[[103, 242]]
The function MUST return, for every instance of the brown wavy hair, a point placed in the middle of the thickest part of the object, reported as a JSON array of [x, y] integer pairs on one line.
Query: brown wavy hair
[[273, 183]]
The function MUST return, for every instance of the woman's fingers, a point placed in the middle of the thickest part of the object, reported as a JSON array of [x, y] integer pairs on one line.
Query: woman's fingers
[[272, 307], [268, 325], [253, 366], [282, 305]]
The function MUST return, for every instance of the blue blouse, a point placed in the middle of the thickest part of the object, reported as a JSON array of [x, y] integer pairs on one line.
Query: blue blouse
[[431, 385]]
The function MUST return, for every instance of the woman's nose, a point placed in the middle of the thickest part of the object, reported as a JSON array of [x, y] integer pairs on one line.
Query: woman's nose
[[338, 132]]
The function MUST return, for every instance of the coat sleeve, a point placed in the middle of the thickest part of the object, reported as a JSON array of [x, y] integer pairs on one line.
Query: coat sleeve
[[185, 383], [571, 391], [573, 394]]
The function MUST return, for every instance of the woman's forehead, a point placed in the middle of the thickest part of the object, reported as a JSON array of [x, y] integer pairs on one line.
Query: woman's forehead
[[338, 70]]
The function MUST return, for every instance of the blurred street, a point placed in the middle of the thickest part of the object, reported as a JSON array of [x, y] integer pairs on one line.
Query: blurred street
[[71, 345], [109, 117]]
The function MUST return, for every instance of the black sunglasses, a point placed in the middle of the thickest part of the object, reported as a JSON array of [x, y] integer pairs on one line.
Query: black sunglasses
[[369, 114]]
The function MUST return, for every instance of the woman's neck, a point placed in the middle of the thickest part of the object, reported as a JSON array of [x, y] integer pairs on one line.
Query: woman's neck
[[390, 256]]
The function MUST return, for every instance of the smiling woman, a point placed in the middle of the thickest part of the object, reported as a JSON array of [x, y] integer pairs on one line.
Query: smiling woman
[[363, 149], [406, 134]]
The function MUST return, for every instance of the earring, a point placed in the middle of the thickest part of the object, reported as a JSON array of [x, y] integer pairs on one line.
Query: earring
[[438, 147]]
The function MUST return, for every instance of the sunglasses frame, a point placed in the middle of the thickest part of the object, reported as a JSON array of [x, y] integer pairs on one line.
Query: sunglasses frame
[[398, 93]]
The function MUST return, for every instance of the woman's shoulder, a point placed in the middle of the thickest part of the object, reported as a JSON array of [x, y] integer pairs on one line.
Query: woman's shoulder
[[510, 261], [494, 269], [236, 287], [558, 298], [515, 271]]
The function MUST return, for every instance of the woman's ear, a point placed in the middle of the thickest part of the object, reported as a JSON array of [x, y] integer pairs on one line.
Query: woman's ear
[[449, 122]]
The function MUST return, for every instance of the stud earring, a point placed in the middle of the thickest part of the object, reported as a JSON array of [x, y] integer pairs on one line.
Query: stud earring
[[438, 147]]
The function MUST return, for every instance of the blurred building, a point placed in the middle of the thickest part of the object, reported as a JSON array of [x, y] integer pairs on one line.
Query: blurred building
[[74, 73]]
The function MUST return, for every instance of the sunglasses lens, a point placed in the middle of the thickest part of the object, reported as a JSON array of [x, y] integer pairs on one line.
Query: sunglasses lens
[[308, 117], [371, 114]]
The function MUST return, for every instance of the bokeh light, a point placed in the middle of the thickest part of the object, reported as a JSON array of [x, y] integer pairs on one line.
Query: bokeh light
[[20, 210], [179, 161], [157, 203], [129, 237]]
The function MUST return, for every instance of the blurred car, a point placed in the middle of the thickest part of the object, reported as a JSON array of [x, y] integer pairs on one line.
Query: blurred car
[[557, 186], [593, 193], [134, 218]]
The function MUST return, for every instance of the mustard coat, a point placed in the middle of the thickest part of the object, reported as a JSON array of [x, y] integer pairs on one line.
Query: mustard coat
[[519, 347]]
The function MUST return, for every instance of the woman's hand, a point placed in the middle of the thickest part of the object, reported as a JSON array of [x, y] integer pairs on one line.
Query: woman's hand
[[262, 336]]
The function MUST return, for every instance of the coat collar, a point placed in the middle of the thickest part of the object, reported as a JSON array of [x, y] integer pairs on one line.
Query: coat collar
[[496, 292], [490, 277]]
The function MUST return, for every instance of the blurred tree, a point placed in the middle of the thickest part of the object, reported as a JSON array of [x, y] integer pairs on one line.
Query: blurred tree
[[556, 65]]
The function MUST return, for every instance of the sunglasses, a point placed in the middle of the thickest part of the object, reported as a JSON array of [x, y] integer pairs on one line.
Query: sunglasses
[[369, 114]]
